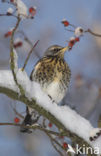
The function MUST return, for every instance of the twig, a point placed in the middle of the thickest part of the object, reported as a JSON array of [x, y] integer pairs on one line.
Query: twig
[[17, 113], [29, 55], [43, 123], [93, 33], [48, 132], [60, 153], [31, 127], [8, 15], [28, 41], [56, 142], [69, 30], [12, 63]]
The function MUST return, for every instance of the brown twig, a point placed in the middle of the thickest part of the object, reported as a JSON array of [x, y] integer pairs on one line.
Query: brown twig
[[36, 126], [53, 140], [17, 113], [48, 132], [8, 15], [28, 41], [12, 61], [29, 55], [55, 147], [93, 33]]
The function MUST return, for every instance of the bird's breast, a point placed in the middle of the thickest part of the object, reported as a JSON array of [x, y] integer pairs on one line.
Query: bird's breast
[[53, 76]]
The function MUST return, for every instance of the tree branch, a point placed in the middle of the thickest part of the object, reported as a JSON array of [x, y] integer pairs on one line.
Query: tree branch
[[29, 55], [12, 55], [8, 87], [93, 33]]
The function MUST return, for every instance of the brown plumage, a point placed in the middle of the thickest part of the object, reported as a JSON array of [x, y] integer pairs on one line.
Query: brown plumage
[[52, 73]]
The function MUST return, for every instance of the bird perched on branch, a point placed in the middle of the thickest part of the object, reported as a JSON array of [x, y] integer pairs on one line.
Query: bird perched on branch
[[53, 74]]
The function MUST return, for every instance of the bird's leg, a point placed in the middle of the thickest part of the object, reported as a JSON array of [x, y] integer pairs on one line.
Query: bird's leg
[[51, 98]]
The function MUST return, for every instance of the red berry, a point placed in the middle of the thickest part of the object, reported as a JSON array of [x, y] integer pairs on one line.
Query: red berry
[[71, 43], [77, 39], [50, 124], [9, 33], [32, 11], [16, 120], [18, 44], [65, 145], [66, 23]]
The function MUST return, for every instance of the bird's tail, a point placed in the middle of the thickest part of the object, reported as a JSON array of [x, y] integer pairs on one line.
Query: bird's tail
[[30, 119]]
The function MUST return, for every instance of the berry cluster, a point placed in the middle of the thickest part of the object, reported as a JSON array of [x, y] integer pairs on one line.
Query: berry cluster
[[78, 32]]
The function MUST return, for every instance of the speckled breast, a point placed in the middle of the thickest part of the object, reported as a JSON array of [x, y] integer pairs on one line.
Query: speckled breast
[[53, 74]]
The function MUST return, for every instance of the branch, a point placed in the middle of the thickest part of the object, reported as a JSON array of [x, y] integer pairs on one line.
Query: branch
[[28, 41], [8, 15], [13, 66], [93, 33], [66, 120], [46, 131], [29, 55]]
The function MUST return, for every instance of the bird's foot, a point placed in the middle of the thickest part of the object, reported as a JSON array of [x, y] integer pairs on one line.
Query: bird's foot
[[51, 99]]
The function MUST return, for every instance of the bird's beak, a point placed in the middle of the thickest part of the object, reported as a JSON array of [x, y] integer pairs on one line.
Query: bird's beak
[[64, 49]]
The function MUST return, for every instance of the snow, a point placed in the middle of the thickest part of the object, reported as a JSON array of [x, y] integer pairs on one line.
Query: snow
[[72, 38], [23, 80], [10, 10], [21, 8], [79, 31], [18, 39], [68, 117], [7, 81]]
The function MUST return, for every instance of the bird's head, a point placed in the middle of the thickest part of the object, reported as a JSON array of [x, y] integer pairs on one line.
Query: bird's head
[[55, 50]]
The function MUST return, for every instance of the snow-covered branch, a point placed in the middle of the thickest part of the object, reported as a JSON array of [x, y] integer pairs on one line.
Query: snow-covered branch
[[65, 119]]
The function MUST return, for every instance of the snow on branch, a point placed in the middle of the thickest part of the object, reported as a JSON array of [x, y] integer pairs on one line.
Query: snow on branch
[[66, 119]]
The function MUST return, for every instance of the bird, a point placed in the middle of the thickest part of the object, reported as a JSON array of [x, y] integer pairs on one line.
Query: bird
[[53, 74]]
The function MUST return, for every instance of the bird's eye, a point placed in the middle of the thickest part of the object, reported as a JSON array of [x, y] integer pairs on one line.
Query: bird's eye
[[56, 49]]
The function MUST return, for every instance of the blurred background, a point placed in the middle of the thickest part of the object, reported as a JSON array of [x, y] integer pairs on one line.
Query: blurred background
[[84, 94]]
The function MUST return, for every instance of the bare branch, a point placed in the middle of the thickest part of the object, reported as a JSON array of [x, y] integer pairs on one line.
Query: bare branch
[[93, 33], [17, 113], [12, 63], [8, 15], [28, 41], [29, 55]]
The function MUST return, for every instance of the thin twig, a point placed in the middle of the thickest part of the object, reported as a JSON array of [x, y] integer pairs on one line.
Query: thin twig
[[36, 126], [8, 15], [31, 127], [56, 142], [55, 147], [69, 30], [28, 41], [17, 113], [29, 55], [44, 122], [12, 63], [93, 33]]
